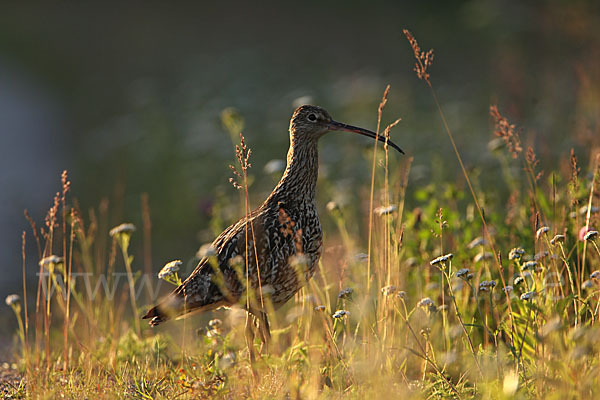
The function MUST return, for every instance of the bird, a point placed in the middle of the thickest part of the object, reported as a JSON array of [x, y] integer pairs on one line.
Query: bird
[[266, 257]]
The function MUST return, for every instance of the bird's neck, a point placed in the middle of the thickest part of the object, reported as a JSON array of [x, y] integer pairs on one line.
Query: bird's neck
[[299, 179]]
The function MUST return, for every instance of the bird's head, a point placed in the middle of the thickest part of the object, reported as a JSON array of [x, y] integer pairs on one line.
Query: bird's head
[[311, 122]]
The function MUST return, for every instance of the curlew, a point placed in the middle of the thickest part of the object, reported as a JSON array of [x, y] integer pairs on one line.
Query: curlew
[[276, 247]]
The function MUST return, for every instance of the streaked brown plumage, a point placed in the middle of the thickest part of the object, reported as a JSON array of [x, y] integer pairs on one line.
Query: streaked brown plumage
[[287, 231]]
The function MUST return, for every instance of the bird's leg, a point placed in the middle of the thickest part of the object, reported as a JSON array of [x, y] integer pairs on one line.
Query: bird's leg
[[250, 337], [264, 330]]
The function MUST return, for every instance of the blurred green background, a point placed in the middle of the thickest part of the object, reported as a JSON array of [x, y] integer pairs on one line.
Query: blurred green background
[[128, 98]]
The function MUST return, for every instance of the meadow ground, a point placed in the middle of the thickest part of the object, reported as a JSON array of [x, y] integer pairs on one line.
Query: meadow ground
[[445, 289]]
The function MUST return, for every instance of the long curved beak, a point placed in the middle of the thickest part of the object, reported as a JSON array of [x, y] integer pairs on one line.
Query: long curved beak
[[338, 126]]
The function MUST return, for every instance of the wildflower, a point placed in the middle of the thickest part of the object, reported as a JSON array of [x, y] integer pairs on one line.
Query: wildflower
[[529, 265], [457, 285], [122, 234], [510, 383], [528, 295], [215, 323], [432, 286], [488, 284], [380, 211], [320, 308], [332, 206], [425, 302], [540, 255], [210, 333], [584, 231], [541, 231], [516, 253], [518, 280], [588, 284], [411, 261], [345, 293], [469, 276], [267, 290], [50, 261], [441, 259], [169, 269], [595, 275], [274, 166], [236, 261], [478, 241], [583, 210], [127, 229], [227, 360], [340, 314], [309, 298], [484, 255], [507, 289], [401, 294], [299, 260], [557, 239], [13, 300], [590, 235], [360, 257], [206, 251], [553, 325], [462, 273], [495, 144], [442, 307], [388, 290], [483, 288]]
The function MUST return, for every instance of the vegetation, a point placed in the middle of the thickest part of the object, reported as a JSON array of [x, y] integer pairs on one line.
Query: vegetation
[[438, 290]]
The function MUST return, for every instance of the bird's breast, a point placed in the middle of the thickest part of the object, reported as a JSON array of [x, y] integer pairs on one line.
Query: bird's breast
[[294, 249]]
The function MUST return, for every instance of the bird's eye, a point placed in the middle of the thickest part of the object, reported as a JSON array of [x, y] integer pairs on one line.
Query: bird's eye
[[312, 117]]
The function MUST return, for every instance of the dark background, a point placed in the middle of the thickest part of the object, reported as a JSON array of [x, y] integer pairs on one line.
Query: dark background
[[128, 98]]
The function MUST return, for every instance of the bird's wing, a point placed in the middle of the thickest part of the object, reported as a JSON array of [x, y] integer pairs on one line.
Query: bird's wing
[[215, 281]]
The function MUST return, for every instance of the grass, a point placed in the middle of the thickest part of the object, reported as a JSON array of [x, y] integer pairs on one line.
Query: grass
[[421, 292]]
